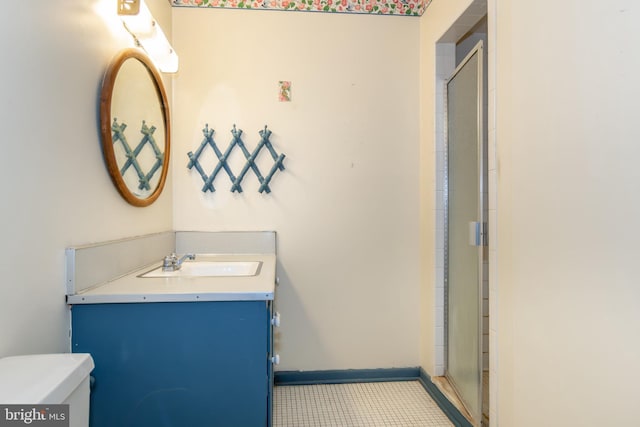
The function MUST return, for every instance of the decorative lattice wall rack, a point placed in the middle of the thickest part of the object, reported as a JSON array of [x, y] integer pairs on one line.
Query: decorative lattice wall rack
[[132, 154], [222, 164]]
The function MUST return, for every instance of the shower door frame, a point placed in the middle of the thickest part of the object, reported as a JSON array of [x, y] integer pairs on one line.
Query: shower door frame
[[481, 151]]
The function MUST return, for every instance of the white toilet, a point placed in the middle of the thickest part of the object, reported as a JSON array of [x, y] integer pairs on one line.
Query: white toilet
[[48, 379]]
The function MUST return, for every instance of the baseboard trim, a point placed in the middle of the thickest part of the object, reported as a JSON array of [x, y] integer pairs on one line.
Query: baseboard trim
[[455, 416], [343, 376]]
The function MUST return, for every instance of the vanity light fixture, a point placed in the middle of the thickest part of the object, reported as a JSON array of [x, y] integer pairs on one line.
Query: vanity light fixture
[[148, 35]]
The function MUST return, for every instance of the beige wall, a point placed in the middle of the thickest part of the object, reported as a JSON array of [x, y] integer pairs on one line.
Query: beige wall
[[346, 207], [568, 201], [55, 188]]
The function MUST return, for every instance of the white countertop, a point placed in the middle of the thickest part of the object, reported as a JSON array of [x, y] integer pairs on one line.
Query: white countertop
[[133, 289]]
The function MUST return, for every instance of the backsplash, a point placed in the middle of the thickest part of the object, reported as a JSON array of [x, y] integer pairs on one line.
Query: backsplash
[[91, 265], [94, 264]]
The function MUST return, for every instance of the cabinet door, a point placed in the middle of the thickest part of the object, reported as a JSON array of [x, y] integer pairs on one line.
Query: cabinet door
[[270, 367], [176, 364]]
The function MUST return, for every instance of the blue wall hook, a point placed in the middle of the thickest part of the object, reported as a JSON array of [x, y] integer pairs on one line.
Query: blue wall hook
[[193, 158], [265, 134], [132, 155], [222, 160], [250, 161], [149, 139]]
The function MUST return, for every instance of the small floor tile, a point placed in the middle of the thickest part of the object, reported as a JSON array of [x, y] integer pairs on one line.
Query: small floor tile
[[394, 404]]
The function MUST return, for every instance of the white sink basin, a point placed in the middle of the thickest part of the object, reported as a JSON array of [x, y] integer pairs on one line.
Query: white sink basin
[[209, 269]]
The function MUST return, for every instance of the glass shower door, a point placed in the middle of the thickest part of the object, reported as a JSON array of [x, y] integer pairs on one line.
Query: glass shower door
[[465, 231]]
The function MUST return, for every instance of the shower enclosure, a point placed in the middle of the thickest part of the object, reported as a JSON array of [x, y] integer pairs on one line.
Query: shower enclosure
[[465, 230]]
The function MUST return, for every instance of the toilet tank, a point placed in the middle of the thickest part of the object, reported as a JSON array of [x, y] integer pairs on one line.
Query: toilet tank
[[48, 379]]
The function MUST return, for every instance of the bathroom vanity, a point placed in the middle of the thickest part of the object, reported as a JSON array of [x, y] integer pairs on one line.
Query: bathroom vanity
[[180, 350]]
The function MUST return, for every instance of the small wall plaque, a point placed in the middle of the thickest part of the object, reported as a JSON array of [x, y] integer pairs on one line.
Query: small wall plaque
[[284, 94]]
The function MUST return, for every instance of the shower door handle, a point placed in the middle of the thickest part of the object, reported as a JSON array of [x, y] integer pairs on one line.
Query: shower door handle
[[477, 233]]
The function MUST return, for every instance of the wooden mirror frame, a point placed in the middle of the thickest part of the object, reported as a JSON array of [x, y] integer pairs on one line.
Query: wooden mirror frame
[[106, 121]]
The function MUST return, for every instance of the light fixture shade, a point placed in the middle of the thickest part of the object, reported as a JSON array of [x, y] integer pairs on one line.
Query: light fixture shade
[[148, 34]]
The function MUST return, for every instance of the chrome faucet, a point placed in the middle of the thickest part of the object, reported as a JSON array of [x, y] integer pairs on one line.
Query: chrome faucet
[[172, 263]]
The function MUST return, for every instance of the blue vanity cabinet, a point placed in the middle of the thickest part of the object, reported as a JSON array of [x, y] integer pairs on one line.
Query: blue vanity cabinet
[[178, 363]]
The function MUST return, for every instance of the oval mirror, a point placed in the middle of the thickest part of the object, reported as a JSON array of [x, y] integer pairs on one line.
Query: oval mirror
[[134, 122]]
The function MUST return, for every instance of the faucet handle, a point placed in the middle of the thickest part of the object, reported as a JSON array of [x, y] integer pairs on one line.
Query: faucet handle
[[169, 261]]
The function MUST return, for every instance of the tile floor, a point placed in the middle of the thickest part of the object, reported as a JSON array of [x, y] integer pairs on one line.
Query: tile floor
[[398, 404]]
